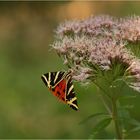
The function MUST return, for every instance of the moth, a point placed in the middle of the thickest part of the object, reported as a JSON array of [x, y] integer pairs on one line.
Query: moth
[[61, 86]]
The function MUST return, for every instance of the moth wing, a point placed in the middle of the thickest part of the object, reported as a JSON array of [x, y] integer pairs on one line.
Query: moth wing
[[56, 83], [61, 86], [51, 79], [70, 94]]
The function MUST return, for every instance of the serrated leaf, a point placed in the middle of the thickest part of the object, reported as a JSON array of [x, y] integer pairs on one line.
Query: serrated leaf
[[100, 126], [93, 116]]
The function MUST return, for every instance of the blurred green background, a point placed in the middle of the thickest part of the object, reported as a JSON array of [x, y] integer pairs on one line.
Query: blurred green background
[[27, 108]]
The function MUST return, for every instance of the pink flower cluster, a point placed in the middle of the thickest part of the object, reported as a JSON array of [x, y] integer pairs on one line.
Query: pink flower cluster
[[129, 28], [95, 43], [125, 28], [92, 26]]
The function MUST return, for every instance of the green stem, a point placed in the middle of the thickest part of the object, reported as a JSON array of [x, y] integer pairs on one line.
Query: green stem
[[116, 120], [112, 111], [104, 98]]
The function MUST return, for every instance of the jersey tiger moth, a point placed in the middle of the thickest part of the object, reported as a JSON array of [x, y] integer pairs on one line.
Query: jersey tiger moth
[[61, 86]]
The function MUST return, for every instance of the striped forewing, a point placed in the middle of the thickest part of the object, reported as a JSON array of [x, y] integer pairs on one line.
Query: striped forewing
[[51, 79]]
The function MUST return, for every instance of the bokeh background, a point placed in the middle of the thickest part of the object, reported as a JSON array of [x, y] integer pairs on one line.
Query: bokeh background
[[27, 108]]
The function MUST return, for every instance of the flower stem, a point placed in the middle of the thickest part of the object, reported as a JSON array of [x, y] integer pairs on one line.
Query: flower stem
[[116, 119]]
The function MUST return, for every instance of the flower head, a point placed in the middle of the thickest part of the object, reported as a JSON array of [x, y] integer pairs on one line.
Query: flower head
[[130, 28], [98, 44], [94, 26], [82, 53], [106, 26]]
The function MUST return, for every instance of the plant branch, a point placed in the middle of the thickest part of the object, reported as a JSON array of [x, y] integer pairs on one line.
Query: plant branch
[[105, 104], [104, 98], [116, 119]]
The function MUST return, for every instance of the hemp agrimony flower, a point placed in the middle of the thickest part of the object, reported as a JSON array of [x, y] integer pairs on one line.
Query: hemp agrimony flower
[[94, 49]]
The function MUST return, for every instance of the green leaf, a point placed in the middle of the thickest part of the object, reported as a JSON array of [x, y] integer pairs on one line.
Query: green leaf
[[93, 116], [124, 118], [135, 129], [100, 126], [128, 122], [124, 115], [134, 122]]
